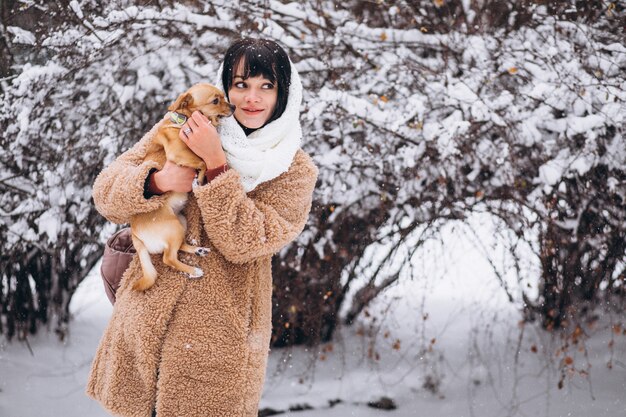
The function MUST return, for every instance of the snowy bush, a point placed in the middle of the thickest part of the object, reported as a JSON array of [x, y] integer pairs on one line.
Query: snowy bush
[[417, 113], [520, 120]]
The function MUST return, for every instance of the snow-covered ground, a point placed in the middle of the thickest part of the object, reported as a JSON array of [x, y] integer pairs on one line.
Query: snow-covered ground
[[449, 345]]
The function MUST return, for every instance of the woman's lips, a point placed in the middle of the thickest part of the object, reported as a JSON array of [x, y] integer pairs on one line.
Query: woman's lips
[[252, 111]]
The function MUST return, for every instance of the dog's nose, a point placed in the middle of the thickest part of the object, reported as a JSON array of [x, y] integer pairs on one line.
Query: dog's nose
[[232, 108]]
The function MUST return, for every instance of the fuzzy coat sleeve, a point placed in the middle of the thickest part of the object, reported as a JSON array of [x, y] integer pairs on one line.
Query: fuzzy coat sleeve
[[243, 226], [118, 191]]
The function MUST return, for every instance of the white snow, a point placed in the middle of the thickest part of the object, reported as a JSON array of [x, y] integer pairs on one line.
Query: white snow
[[449, 345], [21, 35], [77, 9], [50, 224]]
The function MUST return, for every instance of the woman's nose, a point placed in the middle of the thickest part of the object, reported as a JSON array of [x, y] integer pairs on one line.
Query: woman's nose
[[252, 96]]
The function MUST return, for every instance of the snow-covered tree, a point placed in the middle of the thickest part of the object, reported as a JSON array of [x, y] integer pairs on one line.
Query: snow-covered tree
[[417, 112], [515, 109]]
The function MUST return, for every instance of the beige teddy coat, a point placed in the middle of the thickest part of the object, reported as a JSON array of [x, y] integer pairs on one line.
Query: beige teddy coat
[[197, 347]]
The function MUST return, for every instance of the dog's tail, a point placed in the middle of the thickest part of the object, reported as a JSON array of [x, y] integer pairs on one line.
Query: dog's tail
[[149, 271]]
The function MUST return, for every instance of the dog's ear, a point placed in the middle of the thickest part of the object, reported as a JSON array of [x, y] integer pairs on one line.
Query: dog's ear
[[182, 102]]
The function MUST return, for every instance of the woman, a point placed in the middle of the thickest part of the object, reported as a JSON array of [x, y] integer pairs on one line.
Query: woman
[[199, 347]]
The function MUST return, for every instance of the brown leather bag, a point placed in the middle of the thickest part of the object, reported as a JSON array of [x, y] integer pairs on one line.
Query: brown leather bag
[[118, 252]]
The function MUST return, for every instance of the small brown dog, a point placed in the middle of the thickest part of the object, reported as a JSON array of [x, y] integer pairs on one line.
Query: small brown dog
[[163, 230]]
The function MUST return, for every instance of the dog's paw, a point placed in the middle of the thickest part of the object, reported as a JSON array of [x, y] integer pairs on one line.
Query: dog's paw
[[143, 284], [197, 273], [202, 251]]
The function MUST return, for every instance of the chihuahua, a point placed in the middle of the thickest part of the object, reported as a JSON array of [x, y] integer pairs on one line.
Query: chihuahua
[[163, 230]]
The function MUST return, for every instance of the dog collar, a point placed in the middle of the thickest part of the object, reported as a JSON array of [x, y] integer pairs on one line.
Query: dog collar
[[178, 118]]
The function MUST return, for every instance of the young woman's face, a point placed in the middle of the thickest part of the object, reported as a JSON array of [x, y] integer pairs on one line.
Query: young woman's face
[[254, 98]]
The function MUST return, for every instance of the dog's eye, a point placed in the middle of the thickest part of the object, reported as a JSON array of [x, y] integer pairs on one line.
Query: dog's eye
[[217, 100]]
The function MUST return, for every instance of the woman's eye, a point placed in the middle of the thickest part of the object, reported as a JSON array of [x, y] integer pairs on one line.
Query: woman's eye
[[268, 86], [240, 84], [217, 100]]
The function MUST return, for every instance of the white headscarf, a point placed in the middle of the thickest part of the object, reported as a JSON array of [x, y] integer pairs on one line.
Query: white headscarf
[[268, 151]]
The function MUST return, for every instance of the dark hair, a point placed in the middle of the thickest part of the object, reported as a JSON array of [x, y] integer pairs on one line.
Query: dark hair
[[260, 57]]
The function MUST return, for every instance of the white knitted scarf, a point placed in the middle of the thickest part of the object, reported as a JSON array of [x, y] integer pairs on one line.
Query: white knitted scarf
[[268, 151]]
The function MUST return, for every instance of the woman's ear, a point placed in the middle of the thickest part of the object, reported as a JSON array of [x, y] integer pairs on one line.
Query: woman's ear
[[182, 102]]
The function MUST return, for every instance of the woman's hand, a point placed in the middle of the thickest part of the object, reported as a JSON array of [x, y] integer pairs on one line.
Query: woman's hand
[[174, 178], [203, 140]]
